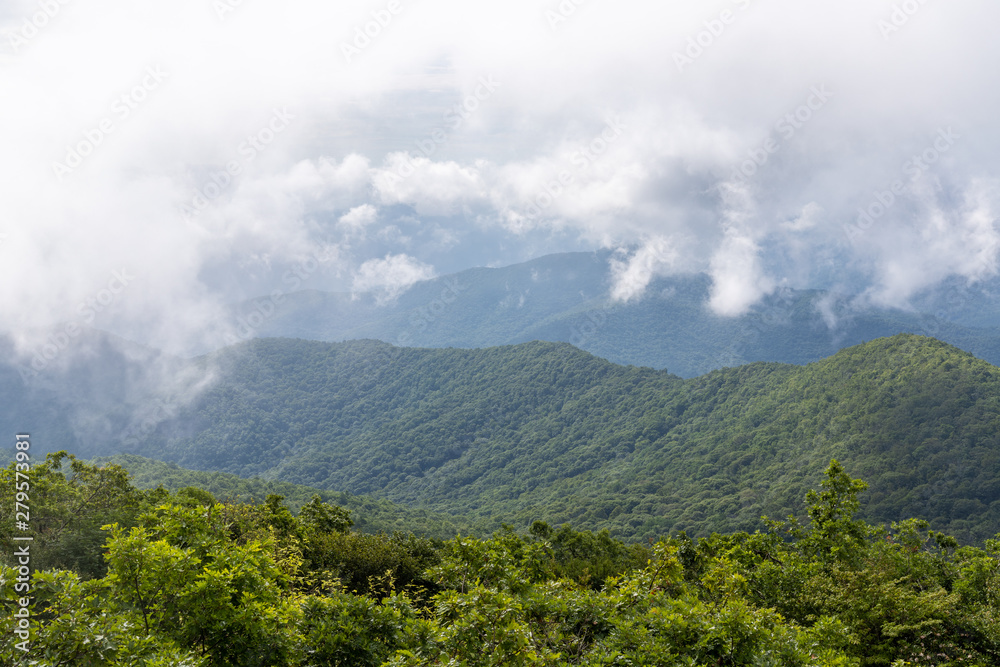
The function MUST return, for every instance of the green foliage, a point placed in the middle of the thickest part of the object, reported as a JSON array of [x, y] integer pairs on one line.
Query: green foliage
[[345, 630], [235, 584], [648, 617], [374, 565], [905, 594], [77, 623], [195, 496], [183, 579], [317, 516], [833, 534], [586, 557], [69, 501]]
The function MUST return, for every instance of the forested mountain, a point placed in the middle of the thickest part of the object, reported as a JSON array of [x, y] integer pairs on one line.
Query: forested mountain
[[543, 430], [550, 440], [565, 298]]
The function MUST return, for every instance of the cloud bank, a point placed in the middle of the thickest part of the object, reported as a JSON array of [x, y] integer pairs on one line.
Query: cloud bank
[[205, 149]]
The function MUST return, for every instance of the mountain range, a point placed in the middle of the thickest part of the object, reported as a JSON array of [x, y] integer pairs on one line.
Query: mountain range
[[523, 393], [547, 431], [565, 298]]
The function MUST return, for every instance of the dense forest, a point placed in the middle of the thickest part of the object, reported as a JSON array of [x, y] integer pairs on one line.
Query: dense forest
[[546, 431], [127, 577]]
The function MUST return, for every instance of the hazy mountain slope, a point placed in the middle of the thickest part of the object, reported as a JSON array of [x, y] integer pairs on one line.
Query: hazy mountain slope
[[564, 298], [474, 308], [97, 389]]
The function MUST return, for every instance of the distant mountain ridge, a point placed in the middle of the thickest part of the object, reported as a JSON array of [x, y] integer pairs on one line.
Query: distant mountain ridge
[[564, 298]]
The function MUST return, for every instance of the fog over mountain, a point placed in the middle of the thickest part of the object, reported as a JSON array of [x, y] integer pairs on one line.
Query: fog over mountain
[[162, 160], [568, 297]]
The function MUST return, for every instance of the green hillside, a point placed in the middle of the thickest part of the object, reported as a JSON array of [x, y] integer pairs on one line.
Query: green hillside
[[543, 430]]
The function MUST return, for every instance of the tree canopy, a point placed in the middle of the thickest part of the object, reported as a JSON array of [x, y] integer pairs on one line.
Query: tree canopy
[[193, 582]]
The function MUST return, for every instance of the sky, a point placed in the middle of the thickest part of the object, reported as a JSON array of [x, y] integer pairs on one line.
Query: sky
[[163, 159]]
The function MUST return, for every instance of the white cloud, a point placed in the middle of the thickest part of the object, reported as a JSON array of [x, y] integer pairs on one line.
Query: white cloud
[[391, 276], [432, 188], [945, 240], [358, 219], [630, 278], [738, 280], [807, 218]]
